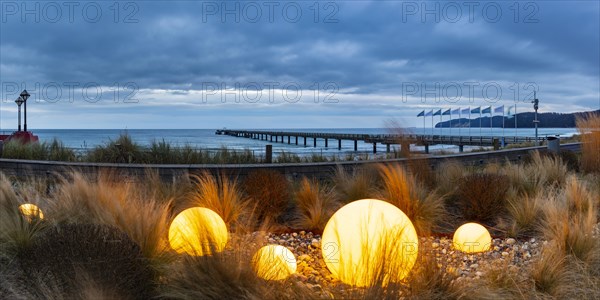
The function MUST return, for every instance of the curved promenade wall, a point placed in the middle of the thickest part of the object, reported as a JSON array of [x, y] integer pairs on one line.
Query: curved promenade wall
[[41, 169]]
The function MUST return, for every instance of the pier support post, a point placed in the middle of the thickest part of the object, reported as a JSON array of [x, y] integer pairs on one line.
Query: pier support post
[[387, 148], [271, 138], [405, 149], [315, 142], [326, 144], [461, 148], [305, 138], [289, 137], [374, 148], [340, 144], [426, 149], [269, 154], [296, 140], [355, 145]]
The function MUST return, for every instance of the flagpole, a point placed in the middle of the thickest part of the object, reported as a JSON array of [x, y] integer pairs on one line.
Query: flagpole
[[441, 120], [432, 117], [450, 121], [459, 118], [469, 121], [503, 122], [491, 121], [516, 120], [480, 116]]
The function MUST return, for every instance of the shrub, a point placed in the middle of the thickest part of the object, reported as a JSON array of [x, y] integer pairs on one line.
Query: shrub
[[448, 174], [315, 204], [422, 171], [54, 150], [481, 197], [121, 150], [269, 192], [108, 256], [589, 128]]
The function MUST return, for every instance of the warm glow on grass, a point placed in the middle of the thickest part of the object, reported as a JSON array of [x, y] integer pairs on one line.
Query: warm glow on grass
[[472, 238], [198, 231], [369, 241], [274, 262], [31, 211]]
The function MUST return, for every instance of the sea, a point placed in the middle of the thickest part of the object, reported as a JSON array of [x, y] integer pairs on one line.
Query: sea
[[86, 139]]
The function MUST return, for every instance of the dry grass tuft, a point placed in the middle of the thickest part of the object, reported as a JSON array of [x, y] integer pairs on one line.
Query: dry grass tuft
[[356, 185], [315, 204], [221, 195], [16, 231], [589, 128], [569, 220], [425, 209], [549, 168], [433, 279], [525, 213]]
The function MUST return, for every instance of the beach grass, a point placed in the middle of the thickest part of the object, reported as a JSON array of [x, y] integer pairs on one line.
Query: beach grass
[[539, 199]]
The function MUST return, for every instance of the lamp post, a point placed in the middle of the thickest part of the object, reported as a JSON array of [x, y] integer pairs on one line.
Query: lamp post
[[535, 121], [19, 101], [25, 95]]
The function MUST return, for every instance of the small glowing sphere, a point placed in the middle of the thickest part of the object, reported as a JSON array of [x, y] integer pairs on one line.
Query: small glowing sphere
[[274, 262], [472, 238], [368, 241], [198, 231], [31, 211]]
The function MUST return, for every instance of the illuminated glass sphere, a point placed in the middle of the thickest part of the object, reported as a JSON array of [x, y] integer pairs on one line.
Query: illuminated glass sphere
[[198, 231], [369, 241], [31, 211], [472, 238], [274, 262]]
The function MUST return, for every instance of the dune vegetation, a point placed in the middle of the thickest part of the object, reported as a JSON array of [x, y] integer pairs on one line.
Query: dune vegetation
[[106, 237]]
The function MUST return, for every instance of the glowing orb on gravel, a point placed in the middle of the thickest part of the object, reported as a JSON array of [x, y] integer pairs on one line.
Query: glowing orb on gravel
[[198, 231], [472, 238], [366, 237], [31, 211], [274, 262]]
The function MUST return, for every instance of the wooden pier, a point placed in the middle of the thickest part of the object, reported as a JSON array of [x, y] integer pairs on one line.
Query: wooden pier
[[404, 140]]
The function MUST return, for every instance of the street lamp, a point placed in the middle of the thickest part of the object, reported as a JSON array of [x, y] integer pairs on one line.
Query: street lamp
[[19, 101], [25, 95], [535, 121]]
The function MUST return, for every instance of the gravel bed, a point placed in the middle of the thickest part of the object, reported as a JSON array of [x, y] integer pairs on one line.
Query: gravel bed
[[312, 271]]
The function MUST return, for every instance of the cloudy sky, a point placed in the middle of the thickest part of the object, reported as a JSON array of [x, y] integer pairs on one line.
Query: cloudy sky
[[291, 64]]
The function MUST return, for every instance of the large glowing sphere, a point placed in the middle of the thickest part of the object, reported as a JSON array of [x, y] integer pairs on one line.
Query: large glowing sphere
[[31, 211], [198, 231], [369, 241], [274, 262], [472, 238]]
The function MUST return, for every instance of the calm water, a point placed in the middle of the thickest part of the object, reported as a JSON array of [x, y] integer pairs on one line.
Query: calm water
[[206, 138]]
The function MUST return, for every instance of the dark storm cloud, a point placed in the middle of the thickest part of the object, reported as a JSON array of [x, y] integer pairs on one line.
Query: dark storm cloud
[[365, 47]]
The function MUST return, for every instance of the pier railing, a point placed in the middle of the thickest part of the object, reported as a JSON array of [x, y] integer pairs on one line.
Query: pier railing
[[405, 140]]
